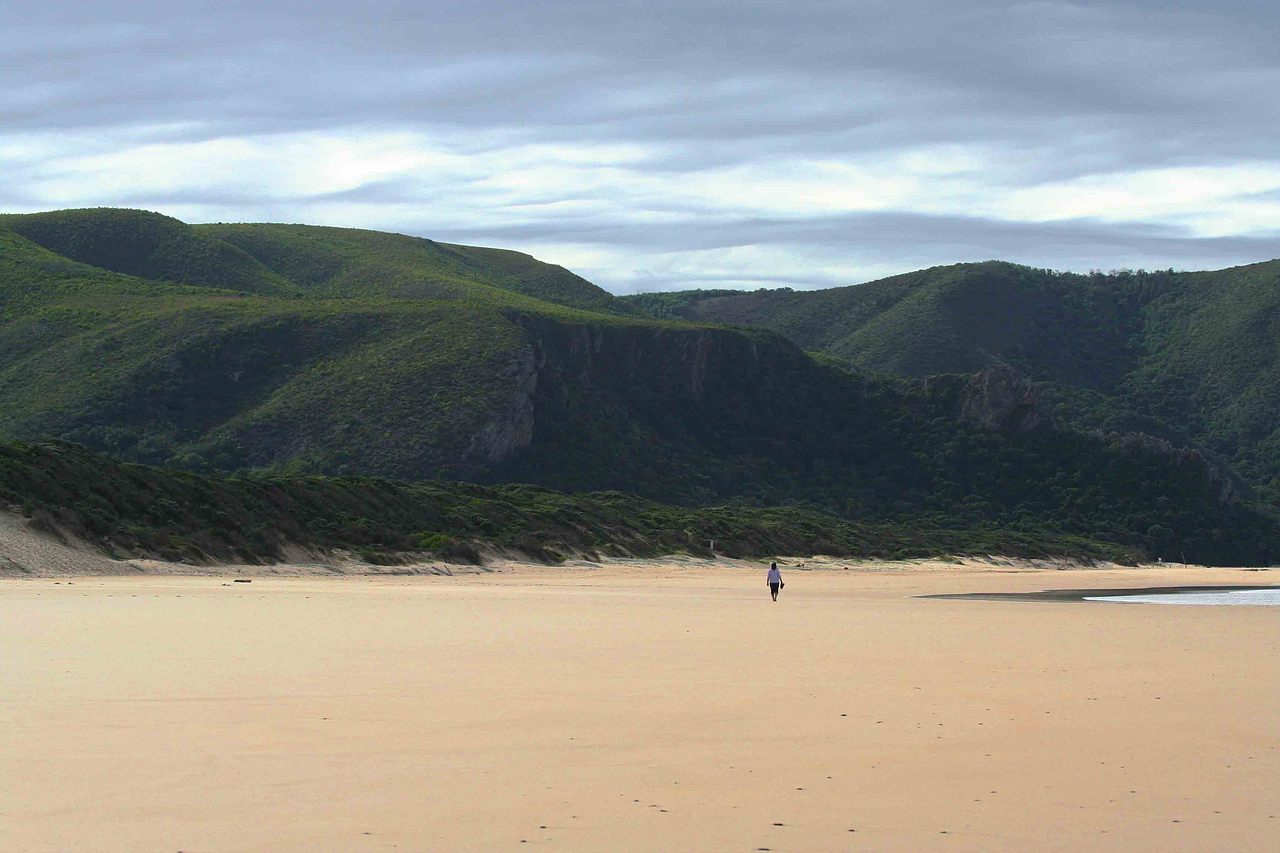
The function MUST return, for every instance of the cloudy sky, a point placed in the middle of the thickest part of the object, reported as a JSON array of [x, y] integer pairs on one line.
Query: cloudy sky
[[658, 145]]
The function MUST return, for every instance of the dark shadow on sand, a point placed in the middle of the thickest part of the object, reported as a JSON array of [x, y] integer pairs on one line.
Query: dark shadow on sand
[[1082, 594]]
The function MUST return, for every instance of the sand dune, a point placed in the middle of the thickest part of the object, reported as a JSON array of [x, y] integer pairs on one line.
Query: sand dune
[[24, 552], [662, 707]]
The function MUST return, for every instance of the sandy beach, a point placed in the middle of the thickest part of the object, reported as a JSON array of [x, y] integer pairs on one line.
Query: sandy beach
[[636, 707]]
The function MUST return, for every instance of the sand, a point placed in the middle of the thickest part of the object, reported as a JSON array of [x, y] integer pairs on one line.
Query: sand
[[24, 552], [636, 707]]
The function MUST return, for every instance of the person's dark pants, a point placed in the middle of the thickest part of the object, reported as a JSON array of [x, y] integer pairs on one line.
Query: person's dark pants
[[773, 590]]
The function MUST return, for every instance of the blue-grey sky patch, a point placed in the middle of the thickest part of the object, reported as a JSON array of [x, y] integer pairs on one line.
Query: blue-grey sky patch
[[662, 145]]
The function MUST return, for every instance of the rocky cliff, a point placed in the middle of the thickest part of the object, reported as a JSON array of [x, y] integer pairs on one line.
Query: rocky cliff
[[998, 398]]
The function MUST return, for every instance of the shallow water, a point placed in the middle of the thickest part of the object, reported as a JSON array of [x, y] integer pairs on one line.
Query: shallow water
[[1247, 597]]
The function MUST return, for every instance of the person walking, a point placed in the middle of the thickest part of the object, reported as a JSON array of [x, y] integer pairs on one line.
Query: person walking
[[775, 580]]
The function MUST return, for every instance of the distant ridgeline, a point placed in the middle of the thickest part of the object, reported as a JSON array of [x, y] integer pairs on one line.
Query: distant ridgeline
[[300, 350]]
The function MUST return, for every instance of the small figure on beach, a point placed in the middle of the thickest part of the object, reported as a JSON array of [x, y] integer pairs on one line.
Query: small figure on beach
[[775, 580]]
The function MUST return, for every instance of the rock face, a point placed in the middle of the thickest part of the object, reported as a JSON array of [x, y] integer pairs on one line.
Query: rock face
[[999, 399], [1222, 483], [596, 356], [630, 365], [511, 426], [651, 409]]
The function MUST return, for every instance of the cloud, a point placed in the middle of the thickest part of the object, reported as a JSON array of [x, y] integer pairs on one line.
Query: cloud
[[670, 142], [851, 248]]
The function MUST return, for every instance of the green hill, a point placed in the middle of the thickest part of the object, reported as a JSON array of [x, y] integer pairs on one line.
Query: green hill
[[1191, 357], [348, 262], [956, 319], [293, 260], [376, 354], [146, 245]]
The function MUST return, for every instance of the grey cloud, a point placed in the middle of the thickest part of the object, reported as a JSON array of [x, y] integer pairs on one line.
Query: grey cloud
[[903, 240], [823, 74], [870, 230], [1070, 88]]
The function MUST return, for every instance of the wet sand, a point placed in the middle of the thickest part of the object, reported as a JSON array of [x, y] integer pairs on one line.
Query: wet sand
[[636, 708], [1087, 594]]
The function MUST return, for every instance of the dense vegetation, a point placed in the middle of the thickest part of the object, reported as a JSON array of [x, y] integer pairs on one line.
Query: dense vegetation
[[295, 260], [353, 353], [393, 368], [1191, 357], [133, 510]]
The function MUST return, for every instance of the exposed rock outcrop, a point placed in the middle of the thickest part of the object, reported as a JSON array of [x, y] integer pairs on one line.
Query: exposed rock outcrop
[[999, 399], [1223, 484], [511, 426], [590, 358]]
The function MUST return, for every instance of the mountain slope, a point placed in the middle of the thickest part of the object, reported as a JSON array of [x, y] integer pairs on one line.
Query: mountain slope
[[955, 319], [1192, 357], [348, 262], [146, 245], [158, 372], [295, 260]]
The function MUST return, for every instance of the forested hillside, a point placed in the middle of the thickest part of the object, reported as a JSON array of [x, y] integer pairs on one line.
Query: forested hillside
[[298, 350], [1191, 357]]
